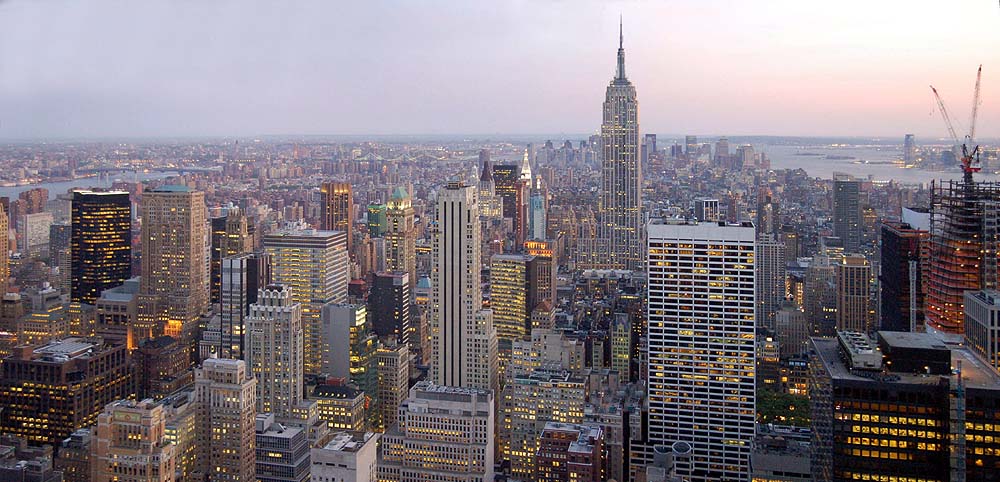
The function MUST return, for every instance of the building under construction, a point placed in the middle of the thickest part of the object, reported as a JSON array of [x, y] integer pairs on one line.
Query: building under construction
[[963, 248]]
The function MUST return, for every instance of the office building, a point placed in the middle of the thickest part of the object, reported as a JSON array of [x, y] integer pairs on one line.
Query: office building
[[129, 444], [464, 339], [571, 452], [118, 312], [847, 211], [43, 388], [230, 237], [378, 222], [173, 290], [338, 209], [389, 303], [982, 325], [162, 366], [73, 459], [854, 308], [401, 235], [347, 457], [101, 243], [452, 429], [648, 148], [538, 206], [314, 266], [33, 234], [707, 210], [225, 399], [23, 463], [393, 382], [620, 213], [890, 408], [770, 282], [274, 329], [513, 194], [347, 334], [701, 293], [900, 278], [513, 296], [341, 406], [240, 280], [781, 454], [4, 250], [791, 329], [282, 452], [909, 149]]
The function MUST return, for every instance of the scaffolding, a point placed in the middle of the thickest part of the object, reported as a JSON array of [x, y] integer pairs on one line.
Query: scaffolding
[[963, 254]]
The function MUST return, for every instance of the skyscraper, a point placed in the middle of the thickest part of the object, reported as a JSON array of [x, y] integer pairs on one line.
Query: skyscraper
[[377, 222], [101, 243], [274, 329], [389, 304], [401, 236], [347, 334], [314, 266], [853, 274], [770, 283], [130, 444], [909, 149], [464, 343], [510, 189], [241, 278], [230, 237], [900, 278], [338, 209], [393, 381], [173, 291], [4, 250], [225, 399], [701, 345], [847, 211], [621, 177]]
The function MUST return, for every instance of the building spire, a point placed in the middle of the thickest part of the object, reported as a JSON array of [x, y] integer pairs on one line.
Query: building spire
[[620, 74]]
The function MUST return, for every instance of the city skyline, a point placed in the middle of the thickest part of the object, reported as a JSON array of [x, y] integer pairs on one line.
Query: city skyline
[[718, 67]]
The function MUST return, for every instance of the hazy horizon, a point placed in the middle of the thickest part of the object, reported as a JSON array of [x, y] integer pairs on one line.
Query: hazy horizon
[[158, 69]]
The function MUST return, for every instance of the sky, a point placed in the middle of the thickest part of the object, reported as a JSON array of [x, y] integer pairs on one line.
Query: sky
[[153, 68]]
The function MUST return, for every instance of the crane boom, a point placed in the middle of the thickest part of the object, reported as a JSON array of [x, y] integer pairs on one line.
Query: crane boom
[[975, 106], [944, 114]]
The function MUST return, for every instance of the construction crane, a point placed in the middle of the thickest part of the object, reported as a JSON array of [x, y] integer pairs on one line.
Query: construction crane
[[970, 159]]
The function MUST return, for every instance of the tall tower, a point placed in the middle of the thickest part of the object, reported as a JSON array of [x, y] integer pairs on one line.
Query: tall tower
[[100, 243], [854, 294], [464, 339], [275, 350], [338, 208], [225, 398], [313, 265], [401, 237], [701, 295], [230, 237], [847, 211], [173, 291], [621, 178], [4, 250]]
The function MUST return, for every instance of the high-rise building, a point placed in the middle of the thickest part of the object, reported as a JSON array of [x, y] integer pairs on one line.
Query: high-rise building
[[701, 294], [691, 147], [130, 444], [342, 407], [314, 266], [378, 223], [770, 282], [347, 334], [389, 304], [847, 211], [282, 451], [510, 189], [33, 234], [537, 211], [909, 149], [274, 330], [451, 428], [44, 388], [338, 209], [347, 457], [162, 366], [4, 250], [511, 299], [240, 280], [230, 237], [73, 459], [620, 215], [570, 452], [706, 209], [791, 330], [225, 400], [982, 325], [902, 406], [401, 236], [101, 243], [464, 339], [117, 312], [393, 382], [648, 147], [900, 279], [173, 290], [854, 310]]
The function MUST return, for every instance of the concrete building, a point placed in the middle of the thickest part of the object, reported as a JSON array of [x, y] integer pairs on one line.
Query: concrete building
[[240, 279], [902, 263], [347, 334], [347, 457], [225, 400], [401, 237], [570, 452], [393, 382], [73, 459], [464, 338], [282, 452], [341, 406], [453, 430], [314, 266], [173, 290], [338, 208], [118, 312], [230, 236], [68, 383], [701, 278], [847, 211], [982, 325], [854, 306], [781, 454], [129, 444], [275, 351], [770, 279]]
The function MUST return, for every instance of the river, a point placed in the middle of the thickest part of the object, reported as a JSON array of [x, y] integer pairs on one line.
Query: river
[[61, 187]]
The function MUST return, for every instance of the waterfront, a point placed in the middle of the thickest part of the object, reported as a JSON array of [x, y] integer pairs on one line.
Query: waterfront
[[61, 187]]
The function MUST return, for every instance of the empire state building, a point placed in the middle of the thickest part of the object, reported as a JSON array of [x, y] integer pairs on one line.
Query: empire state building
[[621, 177]]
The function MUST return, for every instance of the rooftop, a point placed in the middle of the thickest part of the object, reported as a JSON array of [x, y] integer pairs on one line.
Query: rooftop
[[172, 188], [349, 441]]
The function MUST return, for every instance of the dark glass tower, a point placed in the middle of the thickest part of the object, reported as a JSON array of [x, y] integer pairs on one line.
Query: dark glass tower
[[101, 243]]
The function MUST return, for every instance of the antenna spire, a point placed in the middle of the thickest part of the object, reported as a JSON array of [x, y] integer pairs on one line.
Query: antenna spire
[[621, 35], [620, 74]]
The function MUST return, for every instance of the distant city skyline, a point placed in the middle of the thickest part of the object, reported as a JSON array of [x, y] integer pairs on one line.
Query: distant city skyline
[[162, 69]]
